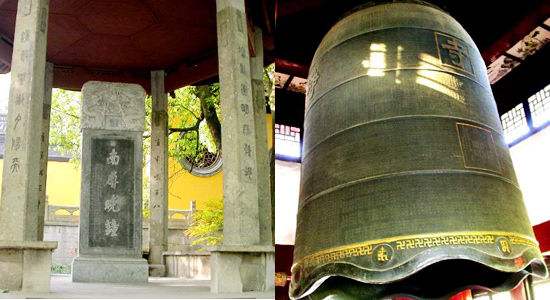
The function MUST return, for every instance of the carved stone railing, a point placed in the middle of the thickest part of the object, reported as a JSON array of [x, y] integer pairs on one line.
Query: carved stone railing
[[64, 214], [178, 218], [69, 215]]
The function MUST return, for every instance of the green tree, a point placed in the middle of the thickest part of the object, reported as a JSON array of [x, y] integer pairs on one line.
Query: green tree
[[207, 225], [269, 85], [195, 123], [65, 123]]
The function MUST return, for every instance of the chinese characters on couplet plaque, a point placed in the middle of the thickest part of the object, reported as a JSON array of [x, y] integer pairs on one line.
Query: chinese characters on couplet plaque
[[112, 204]]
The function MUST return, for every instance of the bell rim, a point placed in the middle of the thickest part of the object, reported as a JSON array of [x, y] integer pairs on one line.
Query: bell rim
[[531, 257]]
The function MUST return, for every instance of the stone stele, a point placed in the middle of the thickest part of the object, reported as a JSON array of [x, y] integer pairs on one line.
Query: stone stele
[[110, 207]]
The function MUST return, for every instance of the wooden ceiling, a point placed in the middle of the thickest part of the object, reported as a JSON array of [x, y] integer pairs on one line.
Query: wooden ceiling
[[124, 40]]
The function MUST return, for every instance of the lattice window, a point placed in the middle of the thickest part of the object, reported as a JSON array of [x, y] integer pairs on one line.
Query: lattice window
[[287, 141], [514, 124], [539, 104], [205, 164]]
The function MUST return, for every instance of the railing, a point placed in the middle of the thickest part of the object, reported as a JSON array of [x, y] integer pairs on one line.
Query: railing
[[61, 214], [69, 215]]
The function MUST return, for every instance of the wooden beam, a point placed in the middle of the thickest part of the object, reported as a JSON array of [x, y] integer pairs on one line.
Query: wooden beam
[[72, 78], [287, 82], [291, 67]]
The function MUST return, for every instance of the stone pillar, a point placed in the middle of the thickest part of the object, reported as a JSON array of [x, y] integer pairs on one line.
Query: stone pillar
[[110, 197], [242, 263], [25, 262], [158, 221], [44, 146], [262, 152]]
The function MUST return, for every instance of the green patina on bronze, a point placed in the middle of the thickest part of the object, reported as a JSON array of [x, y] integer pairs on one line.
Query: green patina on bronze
[[406, 175]]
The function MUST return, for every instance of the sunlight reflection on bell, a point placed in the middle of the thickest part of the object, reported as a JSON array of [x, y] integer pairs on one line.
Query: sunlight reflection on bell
[[376, 63], [398, 66], [431, 75]]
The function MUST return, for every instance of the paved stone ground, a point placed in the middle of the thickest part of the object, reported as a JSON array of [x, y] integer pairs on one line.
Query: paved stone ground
[[157, 287]]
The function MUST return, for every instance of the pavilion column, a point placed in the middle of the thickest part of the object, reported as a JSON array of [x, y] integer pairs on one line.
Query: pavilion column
[[262, 151], [158, 222], [24, 260], [44, 146], [243, 262]]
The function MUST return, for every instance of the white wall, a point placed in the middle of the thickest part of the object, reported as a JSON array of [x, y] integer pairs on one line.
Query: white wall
[[531, 158], [5, 80], [287, 188]]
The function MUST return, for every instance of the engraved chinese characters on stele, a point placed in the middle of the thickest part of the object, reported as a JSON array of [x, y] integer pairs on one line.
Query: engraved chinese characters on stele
[[113, 203], [111, 212], [112, 179], [113, 158], [111, 227]]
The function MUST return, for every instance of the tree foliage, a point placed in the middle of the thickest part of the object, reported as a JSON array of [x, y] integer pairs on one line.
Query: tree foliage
[[65, 123], [269, 85], [195, 123], [207, 225]]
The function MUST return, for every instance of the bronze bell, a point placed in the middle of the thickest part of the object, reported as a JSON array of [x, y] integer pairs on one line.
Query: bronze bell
[[406, 177]]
